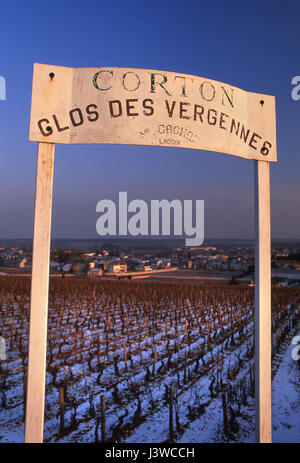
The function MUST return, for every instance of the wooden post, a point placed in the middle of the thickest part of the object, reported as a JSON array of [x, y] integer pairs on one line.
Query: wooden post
[[218, 370], [76, 344], [39, 295], [154, 361], [185, 367], [262, 303], [103, 432], [125, 357], [171, 408], [24, 394], [251, 379], [62, 409], [225, 417]]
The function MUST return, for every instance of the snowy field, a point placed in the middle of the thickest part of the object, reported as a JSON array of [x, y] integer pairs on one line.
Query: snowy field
[[208, 428], [190, 352]]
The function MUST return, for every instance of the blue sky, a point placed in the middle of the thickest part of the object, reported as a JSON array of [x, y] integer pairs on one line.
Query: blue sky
[[253, 45]]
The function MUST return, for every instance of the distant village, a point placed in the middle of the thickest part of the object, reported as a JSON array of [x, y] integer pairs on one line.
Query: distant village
[[115, 262]]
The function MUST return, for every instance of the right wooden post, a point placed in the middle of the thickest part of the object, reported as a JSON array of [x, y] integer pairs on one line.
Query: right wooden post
[[263, 372]]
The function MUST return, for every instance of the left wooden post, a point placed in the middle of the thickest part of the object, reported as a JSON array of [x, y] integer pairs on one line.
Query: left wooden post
[[39, 295]]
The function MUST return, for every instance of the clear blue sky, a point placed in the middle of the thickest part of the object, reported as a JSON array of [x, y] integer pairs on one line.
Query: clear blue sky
[[253, 45]]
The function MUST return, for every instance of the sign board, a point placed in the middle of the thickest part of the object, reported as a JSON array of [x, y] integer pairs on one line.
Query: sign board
[[146, 107]]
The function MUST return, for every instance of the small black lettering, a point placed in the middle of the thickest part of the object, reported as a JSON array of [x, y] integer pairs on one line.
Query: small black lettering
[[149, 108], [71, 114], [235, 127], [130, 107], [113, 103], [93, 115], [95, 79], [222, 120], [170, 110], [265, 151], [60, 129], [43, 132], [198, 111], [244, 135], [212, 90], [161, 84], [212, 120], [252, 140], [224, 92], [138, 81], [183, 110]]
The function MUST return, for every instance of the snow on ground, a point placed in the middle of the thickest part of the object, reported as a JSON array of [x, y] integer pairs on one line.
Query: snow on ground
[[209, 427], [286, 400], [285, 410]]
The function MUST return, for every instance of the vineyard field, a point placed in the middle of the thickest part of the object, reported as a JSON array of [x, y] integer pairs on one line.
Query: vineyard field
[[131, 361]]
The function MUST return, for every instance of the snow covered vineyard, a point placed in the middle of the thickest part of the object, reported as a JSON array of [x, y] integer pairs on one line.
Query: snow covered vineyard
[[148, 362]]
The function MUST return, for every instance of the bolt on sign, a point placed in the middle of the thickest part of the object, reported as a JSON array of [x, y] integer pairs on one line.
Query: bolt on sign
[[146, 107]]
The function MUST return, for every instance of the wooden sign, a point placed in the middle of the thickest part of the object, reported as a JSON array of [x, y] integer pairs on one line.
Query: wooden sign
[[146, 107]]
